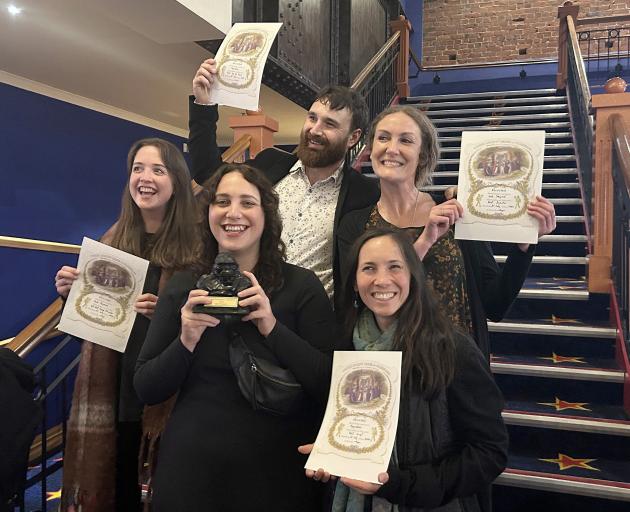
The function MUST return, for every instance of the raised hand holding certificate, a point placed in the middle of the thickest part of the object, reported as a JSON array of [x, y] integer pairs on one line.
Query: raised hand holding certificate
[[359, 427], [240, 64], [100, 304], [499, 173]]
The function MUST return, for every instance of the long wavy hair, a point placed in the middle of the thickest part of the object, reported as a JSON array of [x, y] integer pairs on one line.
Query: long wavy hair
[[429, 143], [423, 333], [175, 244], [272, 253]]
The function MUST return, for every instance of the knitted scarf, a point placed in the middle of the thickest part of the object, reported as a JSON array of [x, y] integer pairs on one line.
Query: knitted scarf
[[89, 473], [366, 336]]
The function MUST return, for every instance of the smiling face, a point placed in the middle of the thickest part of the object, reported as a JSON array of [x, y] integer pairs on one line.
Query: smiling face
[[382, 279], [236, 217], [150, 184], [396, 148], [326, 135]]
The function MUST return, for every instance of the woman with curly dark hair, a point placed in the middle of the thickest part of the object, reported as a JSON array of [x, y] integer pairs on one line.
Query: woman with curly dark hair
[[217, 452]]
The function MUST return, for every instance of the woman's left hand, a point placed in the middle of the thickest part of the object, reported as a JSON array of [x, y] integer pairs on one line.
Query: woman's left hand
[[366, 487], [256, 299], [544, 212], [145, 304]]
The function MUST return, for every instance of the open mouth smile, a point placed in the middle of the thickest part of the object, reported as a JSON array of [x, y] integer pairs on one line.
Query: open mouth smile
[[234, 228], [383, 295]]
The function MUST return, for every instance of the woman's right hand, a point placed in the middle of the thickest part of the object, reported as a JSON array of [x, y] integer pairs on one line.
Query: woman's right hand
[[64, 278], [194, 324], [441, 218], [202, 83], [320, 475]]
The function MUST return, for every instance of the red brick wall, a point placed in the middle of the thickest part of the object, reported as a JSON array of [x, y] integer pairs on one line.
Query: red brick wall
[[477, 31]]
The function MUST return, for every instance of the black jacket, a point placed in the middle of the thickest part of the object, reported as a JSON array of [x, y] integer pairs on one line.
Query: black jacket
[[357, 191]]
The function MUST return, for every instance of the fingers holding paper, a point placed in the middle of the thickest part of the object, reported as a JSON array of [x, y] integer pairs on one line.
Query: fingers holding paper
[[145, 304], [194, 324], [366, 487], [320, 475], [203, 80], [64, 278], [441, 218], [544, 212]]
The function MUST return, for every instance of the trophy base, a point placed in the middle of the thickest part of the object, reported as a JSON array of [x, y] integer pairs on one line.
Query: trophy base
[[220, 311]]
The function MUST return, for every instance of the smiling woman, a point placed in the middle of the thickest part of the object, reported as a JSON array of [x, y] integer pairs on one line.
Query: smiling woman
[[215, 442]]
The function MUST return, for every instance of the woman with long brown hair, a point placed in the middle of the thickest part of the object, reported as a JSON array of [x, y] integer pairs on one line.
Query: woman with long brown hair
[[157, 222], [218, 452], [451, 442]]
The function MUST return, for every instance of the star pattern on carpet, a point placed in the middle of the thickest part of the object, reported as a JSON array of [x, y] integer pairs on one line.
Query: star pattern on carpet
[[566, 462], [54, 495], [557, 320], [562, 405], [563, 359]]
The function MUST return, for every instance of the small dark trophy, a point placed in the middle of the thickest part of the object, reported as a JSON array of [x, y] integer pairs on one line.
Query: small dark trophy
[[223, 283]]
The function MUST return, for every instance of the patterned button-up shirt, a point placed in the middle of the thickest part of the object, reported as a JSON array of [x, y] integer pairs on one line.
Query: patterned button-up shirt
[[308, 214]]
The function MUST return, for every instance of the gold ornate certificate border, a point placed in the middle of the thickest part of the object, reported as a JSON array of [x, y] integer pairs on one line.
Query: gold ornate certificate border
[[105, 283], [499, 172], [363, 401], [237, 66]]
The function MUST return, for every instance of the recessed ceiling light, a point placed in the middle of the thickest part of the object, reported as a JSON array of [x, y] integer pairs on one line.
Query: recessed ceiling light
[[14, 10]]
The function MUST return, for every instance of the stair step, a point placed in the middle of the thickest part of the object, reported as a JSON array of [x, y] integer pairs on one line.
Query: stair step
[[566, 200], [533, 126], [518, 117], [548, 135], [565, 484], [502, 94], [432, 113], [545, 100], [548, 327], [562, 238], [561, 422], [551, 260], [535, 370]]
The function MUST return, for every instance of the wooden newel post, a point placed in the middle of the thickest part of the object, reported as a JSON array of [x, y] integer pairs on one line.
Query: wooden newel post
[[602, 201], [402, 62], [566, 9], [260, 126]]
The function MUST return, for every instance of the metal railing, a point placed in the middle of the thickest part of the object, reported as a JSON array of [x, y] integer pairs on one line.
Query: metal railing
[[377, 84], [54, 375], [621, 220], [579, 98], [606, 50]]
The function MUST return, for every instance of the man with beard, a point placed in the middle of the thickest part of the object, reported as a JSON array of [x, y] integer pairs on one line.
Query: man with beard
[[316, 188]]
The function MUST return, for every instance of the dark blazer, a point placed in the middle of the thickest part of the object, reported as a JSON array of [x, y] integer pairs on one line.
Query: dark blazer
[[357, 191]]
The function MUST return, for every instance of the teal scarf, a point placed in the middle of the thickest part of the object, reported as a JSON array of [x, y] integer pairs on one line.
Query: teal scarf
[[366, 336]]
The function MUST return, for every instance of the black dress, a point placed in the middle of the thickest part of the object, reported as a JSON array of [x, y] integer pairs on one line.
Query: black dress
[[217, 453]]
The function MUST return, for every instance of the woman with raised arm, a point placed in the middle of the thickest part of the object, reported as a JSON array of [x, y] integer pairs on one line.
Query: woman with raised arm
[[157, 222], [451, 442], [463, 273], [217, 451]]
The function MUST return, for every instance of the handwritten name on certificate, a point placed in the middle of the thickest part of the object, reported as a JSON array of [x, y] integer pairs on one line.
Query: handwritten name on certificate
[[499, 173], [240, 63], [357, 434], [100, 304]]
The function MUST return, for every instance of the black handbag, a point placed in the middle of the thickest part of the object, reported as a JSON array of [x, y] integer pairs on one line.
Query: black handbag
[[264, 384]]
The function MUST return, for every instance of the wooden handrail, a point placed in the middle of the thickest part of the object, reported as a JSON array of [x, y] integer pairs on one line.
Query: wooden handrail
[[574, 47], [37, 330], [38, 245], [369, 67], [621, 140]]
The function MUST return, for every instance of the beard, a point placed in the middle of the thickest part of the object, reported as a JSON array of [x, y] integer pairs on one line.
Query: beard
[[327, 155]]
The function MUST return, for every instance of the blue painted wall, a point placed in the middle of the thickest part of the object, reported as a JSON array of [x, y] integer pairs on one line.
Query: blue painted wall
[[62, 169]]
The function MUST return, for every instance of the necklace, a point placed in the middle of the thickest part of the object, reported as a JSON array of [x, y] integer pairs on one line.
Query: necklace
[[409, 223]]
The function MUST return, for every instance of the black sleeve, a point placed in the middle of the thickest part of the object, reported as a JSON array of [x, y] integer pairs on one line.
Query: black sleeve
[[307, 352], [202, 140], [350, 228], [481, 440], [499, 286], [163, 362]]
